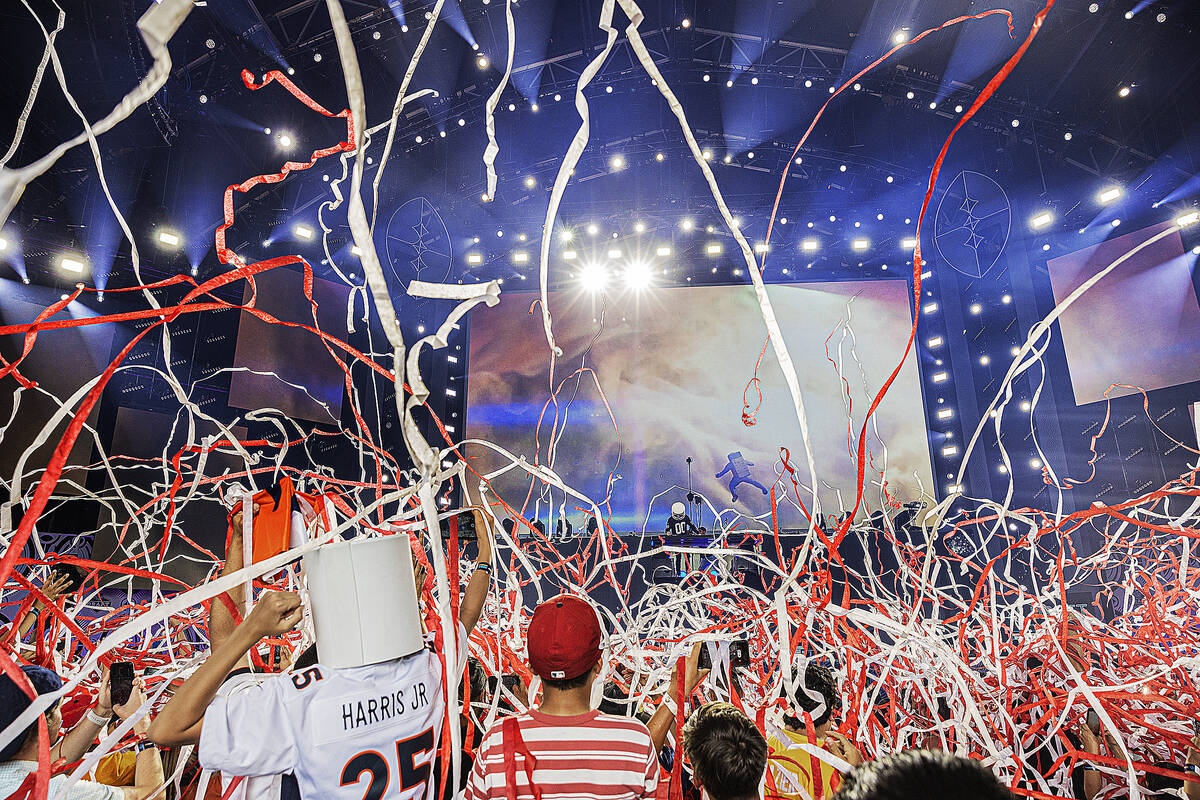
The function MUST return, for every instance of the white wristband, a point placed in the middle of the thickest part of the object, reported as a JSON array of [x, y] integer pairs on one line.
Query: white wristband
[[96, 719], [669, 704]]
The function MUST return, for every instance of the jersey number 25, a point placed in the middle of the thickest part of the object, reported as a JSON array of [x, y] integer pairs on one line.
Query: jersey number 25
[[371, 761]]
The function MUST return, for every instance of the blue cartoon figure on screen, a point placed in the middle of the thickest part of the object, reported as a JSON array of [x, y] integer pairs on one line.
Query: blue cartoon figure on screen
[[740, 468]]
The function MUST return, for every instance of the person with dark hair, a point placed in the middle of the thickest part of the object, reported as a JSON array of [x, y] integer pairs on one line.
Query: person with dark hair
[[19, 757], [565, 747], [922, 774], [794, 755], [727, 752]]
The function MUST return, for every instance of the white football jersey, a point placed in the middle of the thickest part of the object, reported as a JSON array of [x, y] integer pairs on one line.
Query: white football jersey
[[362, 733]]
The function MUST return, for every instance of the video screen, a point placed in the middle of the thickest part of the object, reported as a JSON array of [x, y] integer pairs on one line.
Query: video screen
[[673, 365]]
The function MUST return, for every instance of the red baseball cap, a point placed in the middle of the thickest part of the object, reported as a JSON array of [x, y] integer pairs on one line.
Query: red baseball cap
[[564, 638]]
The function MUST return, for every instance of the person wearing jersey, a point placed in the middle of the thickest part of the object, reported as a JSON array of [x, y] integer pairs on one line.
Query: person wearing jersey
[[794, 760], [679, 523], [565, 749], [353, 725]]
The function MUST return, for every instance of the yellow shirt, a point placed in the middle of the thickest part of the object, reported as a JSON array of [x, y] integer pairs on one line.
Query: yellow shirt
[[117, 769], [792, 768]]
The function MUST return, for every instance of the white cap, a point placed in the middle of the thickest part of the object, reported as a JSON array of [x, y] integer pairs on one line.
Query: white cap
[[364, 601], [678, 509]]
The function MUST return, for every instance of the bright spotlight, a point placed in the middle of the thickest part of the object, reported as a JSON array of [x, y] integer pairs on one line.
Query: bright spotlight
[[593, 229], [520, 258], [569, 255], [900, 37], [860, 244], [482, 62], [594, 278], [707, 155], [617, 162], [1041, 220], [940, 377], [663, 251], [760, 247], [614, 253], [1108, 195], [945, 413], [530, 182], [474, 259], [285, 141], [567, 235], [168, 238], [810, 245], [303, 231], [909, 243], [3, 243], [638, 276], [1191, 218], [713, 249], [936, 341], [639, 227], [1123, 92], [70, 264], [659, 156]]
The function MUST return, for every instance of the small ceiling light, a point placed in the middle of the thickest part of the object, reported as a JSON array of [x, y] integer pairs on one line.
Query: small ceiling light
[[808, 84], [931, 308], [686, 23], [557, 98], [482, 62], [958, 109], [909, 243], [512, 106], [203, 99], [761, 247], [284, 140], [521, 237], [713, 249], [474, 259], [70, 264], [945, 413], [810, 245], [940, 377], [976, 308], [1161, 17], [534, 108], [302, 231], [687, 224], [1116, 222], [935, 341], [165, 237], [1016, 123], [910, 95], [639, 227], [1041, 220], [1036, 463], [520, 257], [900, 37], [950, 449], [530, 182], [1006, 299], [500, 234], [984, 360], [1045, 247], [617, 162], [1068, 136], [594, 277], [1108, 195], [375, 36], [707, 155], [932, 104], [485, 197], [1093, 8], [663, 251], [706, 77], [842, 168], [1026, 405], [728, 84], [750, 154], [567, 235], [728, 158], [317, 57], [1190, 218], [569, 255], [1128, 15], [419, 138], [355, 250], [1123, 91], [659, 156], [614, 252], [593, 229], [858, 87], [210, 44], [608, 89], [832, 218], [860, 244], [461, 122]]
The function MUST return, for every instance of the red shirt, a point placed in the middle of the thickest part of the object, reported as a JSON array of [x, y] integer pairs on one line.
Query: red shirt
[[591, 756]]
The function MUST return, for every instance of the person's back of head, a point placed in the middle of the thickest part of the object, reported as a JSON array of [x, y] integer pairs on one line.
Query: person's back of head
[[728, 754], [14, 701], [615, 701], [819, 680], [922, 774]]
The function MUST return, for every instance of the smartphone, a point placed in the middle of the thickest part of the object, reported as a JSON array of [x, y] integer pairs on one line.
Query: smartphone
[[739, 654], [120, 682], [463, 523], [1093, 720], [73, 573]]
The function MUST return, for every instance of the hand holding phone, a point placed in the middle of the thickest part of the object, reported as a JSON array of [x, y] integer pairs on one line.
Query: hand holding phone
[[120, 682]]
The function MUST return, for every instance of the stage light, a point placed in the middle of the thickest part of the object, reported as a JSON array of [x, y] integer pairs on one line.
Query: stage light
[[949, 450], [908, 243], [1190, 218], [594, 278], [958, 109], [1115, 222], [404, 28], [663, 251], [687, 23], [3, 243], [302, 231], [375, 36], [639, 227], [566, 235], [760, 247], [617, 162], [940, 377], [267, 131], [1108, 195], [482, 62], [557, 98], [474, 259], [1068, 136], [485, 198], [858, 87], [1045, 247], [890, 179], [569, 255], [783, 220], [284, 140], [203, 99], [520, 257], [810, 245], [614, 253], [512, 106], [317, 57], [608, 90], [1016, 351], [860, 244], [687, 224], [1161, 17], [858, 224], [900, 37], [592, 229], [710, 229], [936, 341], [984, 360], [1041, 220], [442, 134], [659, 156], [707, 155], [1036, 463], [638, 276], [1123, 92], [728, 158], [1016, 123], [530, 182], [71, 264], [1026, 405], [931, 308], [976, 308], [167, 237], [1006, 299], [728, 84], [750, 154], [707, 77], [932, 105], [945, 413], [1093, 8], [808, 84], [713, 249], [500, 234], [910, 95]]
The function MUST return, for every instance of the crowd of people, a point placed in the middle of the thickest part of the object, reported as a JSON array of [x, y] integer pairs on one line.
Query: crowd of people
[[332, 724]]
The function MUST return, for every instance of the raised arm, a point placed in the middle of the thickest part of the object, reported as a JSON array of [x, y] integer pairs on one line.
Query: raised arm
[[220, 622], [55, 584], [470, 609], [182, 718], [661, 724]]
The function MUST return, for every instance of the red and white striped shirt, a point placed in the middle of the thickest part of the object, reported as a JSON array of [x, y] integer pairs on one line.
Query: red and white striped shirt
[[591, 756]]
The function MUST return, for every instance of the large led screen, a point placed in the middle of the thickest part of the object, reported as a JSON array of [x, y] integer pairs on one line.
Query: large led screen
[[673, 364]]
